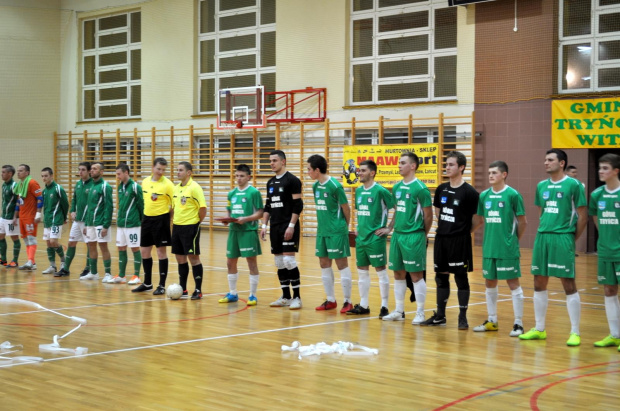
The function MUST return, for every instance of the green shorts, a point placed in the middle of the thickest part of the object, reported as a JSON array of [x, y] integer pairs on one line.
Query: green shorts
[[408, 252], [554, 255], [333, 247], [373, 253], [501, 269], [243, 244], [608, 272]]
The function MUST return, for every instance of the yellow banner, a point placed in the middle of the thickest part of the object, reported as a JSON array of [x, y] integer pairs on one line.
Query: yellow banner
[[588, 123], [387, 158]]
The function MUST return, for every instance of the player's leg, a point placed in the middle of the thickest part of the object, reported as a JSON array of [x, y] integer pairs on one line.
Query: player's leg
[[233, 252], [28, 233], [400, 284], [339, 251], [517, 301], [193, 254], [55, 237], [133, 239], [540, 256], [414, 261], [91, 238], [276, 237], [607, 277], [163, 240], [147, 241], [75, 235], [254, 278], [489, 272], [103, 241], [562, 256], [362, 261], [51, 253], [162, 264], [327, 275], [442, 280], [3, 243], [289, 249]]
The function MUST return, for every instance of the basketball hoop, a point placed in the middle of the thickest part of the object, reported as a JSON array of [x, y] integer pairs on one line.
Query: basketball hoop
[[229, 126]]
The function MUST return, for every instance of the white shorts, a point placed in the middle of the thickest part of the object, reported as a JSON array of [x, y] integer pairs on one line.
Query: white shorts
[[77, 232], [54, 232], [7, 227], [93, 234], [128, 236]]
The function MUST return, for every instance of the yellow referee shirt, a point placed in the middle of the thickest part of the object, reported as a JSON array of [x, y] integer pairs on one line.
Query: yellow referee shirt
[[186, 202], [157, 196]]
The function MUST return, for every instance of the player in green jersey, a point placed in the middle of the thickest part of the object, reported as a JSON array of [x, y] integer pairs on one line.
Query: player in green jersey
[[563, 218], [8, 221], [501, 210], [372, 202], [246, 205], [332, 239], [55, 209], [413, 217], [605, 211]]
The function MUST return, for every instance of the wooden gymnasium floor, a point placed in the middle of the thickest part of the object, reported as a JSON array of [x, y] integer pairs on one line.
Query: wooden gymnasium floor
[[148, 352]]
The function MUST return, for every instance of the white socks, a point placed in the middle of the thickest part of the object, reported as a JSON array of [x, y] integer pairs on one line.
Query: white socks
[[400, 289], [346, 279], [573, 304], [232, 283], [384, 287], [254, 284], [517, 305], [541, 301], [612, 308], [491, 296], [419, 288], [363, 283], [327, 275]]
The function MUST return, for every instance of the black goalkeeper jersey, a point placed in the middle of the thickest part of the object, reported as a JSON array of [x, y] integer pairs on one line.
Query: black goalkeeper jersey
[[457, 207], [279, 202]]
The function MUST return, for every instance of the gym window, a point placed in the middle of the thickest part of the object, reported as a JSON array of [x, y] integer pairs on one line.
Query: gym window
[[111, 67], [402, 51]]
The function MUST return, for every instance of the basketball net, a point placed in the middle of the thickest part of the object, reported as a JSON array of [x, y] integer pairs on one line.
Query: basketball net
[[230, 126]]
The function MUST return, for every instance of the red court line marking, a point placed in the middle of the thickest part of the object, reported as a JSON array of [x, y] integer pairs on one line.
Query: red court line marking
[[479, 393], [534, 397]]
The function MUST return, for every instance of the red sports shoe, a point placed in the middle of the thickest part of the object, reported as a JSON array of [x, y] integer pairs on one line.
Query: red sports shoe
[[12, 264], [327, 305], [347, 306]]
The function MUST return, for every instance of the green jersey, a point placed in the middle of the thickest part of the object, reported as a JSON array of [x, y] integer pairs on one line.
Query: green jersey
[[329, 197], [80, 198], [410, 199], [99, 205], [372, 205], [559, 201], [55, 205], [9, 199], [130, 205], [244, 203], [500, 211], [606, 206]]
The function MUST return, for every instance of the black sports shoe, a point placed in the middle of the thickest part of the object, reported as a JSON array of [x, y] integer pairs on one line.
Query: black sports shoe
[[61, 273], [85, 271], [358, 310], [434, 321], [196, 295], [160, 290], [463, 325], [142, 288], [384, 311]]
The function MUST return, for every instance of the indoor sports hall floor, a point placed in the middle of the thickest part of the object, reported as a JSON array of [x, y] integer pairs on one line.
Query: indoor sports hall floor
[[148, 352]]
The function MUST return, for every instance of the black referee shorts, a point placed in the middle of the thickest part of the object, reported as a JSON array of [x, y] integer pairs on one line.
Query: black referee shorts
[[155, 231], [453, 254], [186, 239], [278, 244]]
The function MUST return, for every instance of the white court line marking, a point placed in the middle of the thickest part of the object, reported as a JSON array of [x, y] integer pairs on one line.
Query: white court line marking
[[170, 344]]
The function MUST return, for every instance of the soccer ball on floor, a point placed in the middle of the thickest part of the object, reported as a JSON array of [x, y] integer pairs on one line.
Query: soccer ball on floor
[[174, 291]]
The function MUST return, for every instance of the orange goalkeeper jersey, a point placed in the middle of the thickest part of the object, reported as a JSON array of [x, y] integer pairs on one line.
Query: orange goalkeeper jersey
[[28, 205]]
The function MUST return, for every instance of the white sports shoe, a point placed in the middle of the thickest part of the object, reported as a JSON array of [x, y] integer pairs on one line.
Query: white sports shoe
[[108, 278], [394, 316], [135, 280], [281, 302], [49, 270], [119, 280], [295, 304], [91, 276], [419, 317], [28, 266]]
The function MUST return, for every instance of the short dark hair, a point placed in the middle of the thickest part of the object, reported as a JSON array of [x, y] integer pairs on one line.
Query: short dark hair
[[9, 168], [49, 170], [160, 160], [100, 163], [26, 167], [318, 161], [461, 160], [611, 159], [85, 164], [123, 167], [187, 165], [278, 153], [501, 165], [571, 167], [413, 157], [372, 166], [561, 154], [244, 168]]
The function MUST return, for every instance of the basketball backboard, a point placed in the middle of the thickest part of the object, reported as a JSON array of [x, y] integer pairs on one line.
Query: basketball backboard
[[241, 104]]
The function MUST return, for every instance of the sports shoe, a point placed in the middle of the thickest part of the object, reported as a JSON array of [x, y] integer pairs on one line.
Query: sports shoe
[[534, 334], [295, 304], [85, 271], [419, 318], [135, 280], [229, 298], [327, 305], [61, 273], [108, 278], [49, 270], [358, 310], [119, 280], [90, 276], [394, 316], [517, 330], [463, 324], [434, 320], [346, 307], [383, 312], [141, 288], [28, 266], [281, 302], [160, 290], [573, 340], [184, 296], [608, 341], [12, 264], [486, 326], [252, 301], [196, 295]]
